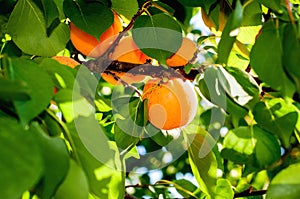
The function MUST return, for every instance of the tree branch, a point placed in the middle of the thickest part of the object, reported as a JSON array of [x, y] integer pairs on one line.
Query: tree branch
[[250, 192]]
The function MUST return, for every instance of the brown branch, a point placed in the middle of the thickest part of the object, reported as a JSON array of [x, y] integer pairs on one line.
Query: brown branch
[[289, 10], [99, 64], [250, 192]]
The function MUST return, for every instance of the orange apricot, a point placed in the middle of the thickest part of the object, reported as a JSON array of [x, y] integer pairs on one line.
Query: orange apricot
[[171, 104], [85, 43], [120, 77], [127, 51], [66, 61], [183, 55]]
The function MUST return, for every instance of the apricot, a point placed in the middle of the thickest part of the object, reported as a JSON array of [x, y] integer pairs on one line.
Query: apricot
[[127, 51], [183, 55], [85, 43], [120, 77], [66, 61], [171, 104]]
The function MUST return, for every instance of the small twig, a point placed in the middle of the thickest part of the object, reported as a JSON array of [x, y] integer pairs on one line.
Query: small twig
[[103, 61], [250, 192], [288, 7]]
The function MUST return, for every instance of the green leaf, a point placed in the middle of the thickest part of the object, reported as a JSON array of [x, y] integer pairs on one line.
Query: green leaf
[[203, 162], [98, 159], [266, 60], [158, 36], [127, 8], [242, 88], [286, 184], [62, 75], [129, 128], [72, 104], [75, 185], [274, 5], [27, 27], [244, 142], [224, 189], [14, 90], [277, 117], [20, 159], [212, 87], [56, 161], [230, 33], [50, 12], [252, 14], [291, 53], [41, 88], [206, 4], [92, 17]]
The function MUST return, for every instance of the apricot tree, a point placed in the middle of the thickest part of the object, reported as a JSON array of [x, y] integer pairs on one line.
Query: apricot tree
[[149, 99]]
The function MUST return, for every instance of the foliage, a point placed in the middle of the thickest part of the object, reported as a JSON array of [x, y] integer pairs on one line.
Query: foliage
[[91, 139]]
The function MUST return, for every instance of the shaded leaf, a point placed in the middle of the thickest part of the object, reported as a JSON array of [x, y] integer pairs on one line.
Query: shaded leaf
[[291, 61], [14, 90], [158, 36], [20, 159], [32, 37], [274, 5], [91, 16], [127, 8], [206, 4], [56, 161], [41, 89], [266, 60]]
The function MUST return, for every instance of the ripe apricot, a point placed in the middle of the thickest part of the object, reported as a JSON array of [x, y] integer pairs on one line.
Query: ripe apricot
[[125, 77], [127, 51], [85, 43], [66, 61], [183, 55], [171, 104]]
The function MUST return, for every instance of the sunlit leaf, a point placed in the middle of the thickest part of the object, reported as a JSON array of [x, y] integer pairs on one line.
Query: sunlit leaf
[[203, 162], [230, 33], [286, 184], [251, 145], [278, 117], [75, 185], [224, 189]]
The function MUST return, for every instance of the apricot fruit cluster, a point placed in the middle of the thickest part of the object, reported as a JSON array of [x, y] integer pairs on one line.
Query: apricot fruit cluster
[[172, 103]]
